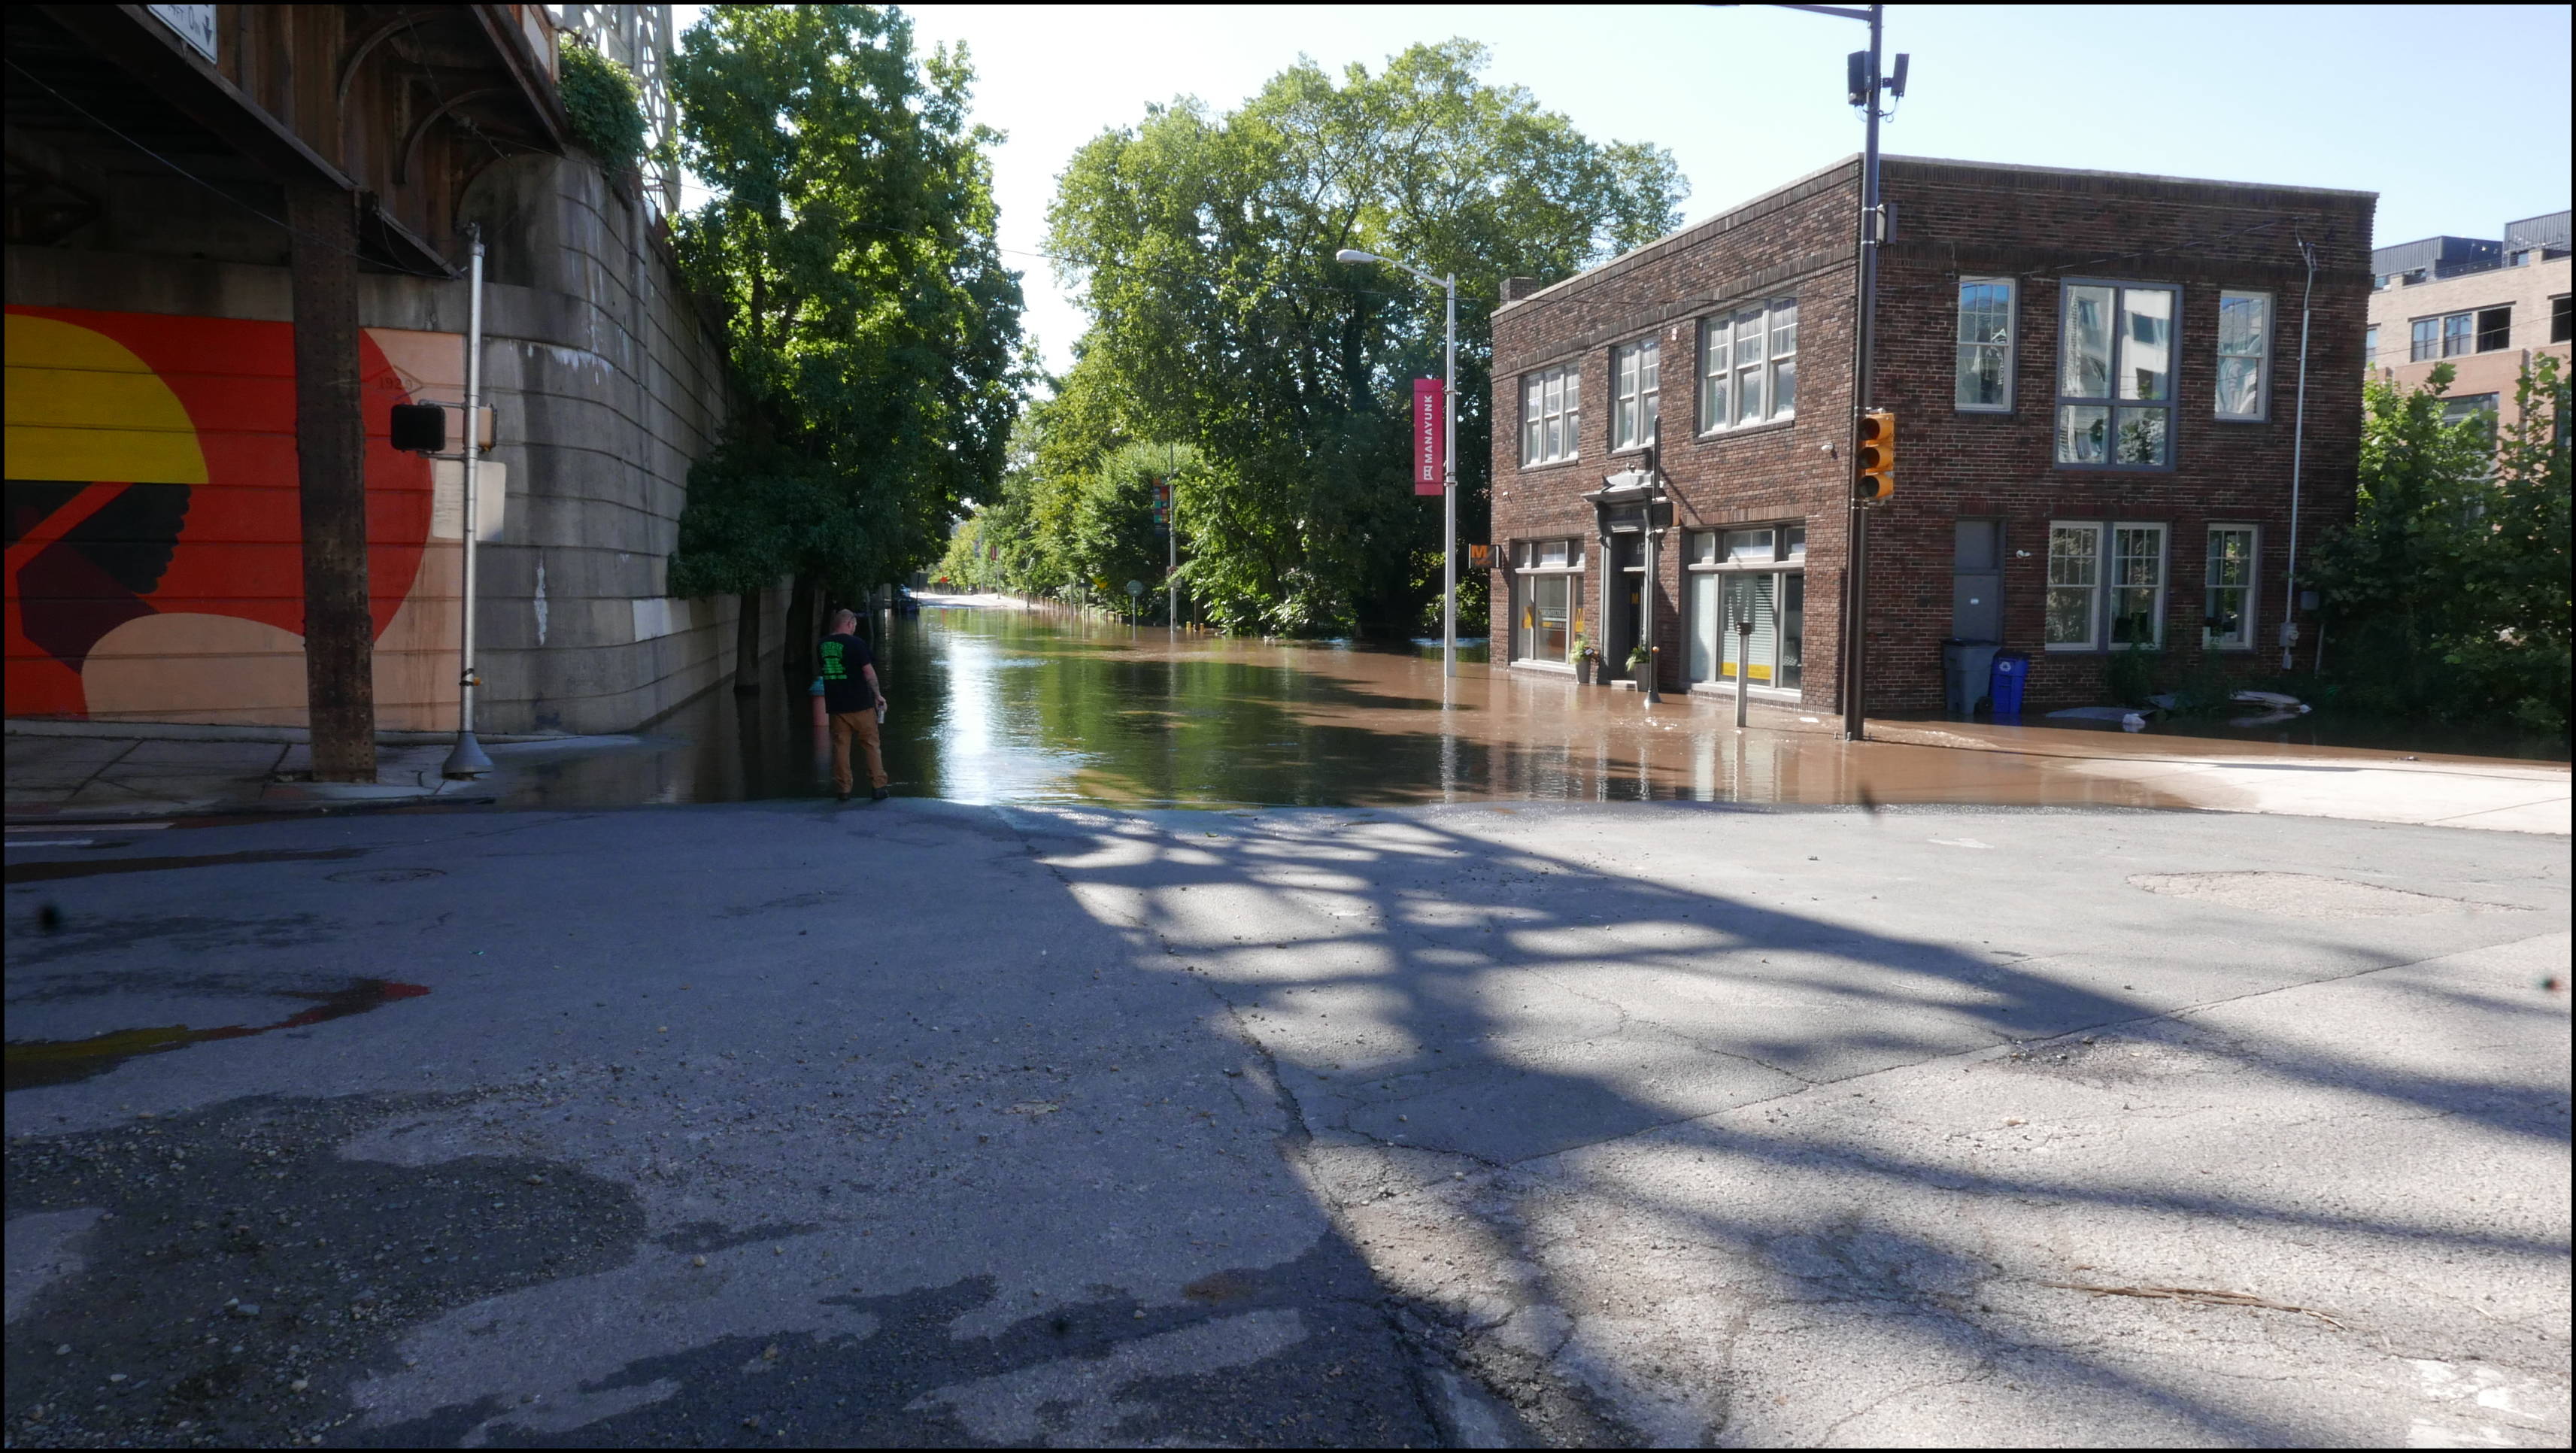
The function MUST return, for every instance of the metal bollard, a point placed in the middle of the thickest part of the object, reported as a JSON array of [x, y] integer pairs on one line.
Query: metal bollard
[[1743, 669]]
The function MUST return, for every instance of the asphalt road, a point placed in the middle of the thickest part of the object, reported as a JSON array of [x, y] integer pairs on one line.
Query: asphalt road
[[922, 1123]]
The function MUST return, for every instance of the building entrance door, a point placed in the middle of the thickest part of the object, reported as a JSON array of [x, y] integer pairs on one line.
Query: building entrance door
[[1977, 581], [1625, 609]]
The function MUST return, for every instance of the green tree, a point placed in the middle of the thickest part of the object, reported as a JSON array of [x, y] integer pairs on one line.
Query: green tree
[[2447, 596], [870, 324], [2512, 638], [1204, 245]]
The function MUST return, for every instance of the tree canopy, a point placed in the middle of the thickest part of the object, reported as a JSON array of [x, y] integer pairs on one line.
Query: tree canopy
[[2448, 594], [871, 326], [1203, 246]]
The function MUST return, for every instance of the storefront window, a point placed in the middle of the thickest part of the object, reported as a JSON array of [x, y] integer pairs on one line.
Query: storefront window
[[1548, 600], [1741, 577]]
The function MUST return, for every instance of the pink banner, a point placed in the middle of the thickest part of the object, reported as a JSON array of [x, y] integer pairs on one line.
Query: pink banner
[[1428, 437]]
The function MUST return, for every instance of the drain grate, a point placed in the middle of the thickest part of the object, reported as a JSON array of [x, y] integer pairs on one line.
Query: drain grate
[[2307, 895]]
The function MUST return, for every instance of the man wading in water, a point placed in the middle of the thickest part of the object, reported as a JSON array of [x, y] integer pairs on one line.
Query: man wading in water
[[851, 695]]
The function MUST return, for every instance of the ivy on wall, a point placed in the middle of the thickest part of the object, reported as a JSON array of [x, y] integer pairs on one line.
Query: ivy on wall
[[606, 109]]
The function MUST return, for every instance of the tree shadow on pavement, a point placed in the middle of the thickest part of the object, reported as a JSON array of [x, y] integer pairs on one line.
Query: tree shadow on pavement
[[1513, 1065]]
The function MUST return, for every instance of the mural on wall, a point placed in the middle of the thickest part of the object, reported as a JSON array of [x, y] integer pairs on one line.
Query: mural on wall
[[155, 569]]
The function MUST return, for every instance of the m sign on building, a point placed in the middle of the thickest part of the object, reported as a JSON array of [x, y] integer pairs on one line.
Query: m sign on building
[[1427, 437]]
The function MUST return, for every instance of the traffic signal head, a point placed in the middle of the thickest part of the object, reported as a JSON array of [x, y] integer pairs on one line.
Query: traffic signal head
[[1874, 461], [419, 428]]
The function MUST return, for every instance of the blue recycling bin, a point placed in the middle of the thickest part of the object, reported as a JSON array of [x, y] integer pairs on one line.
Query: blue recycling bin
[[2003, 687]]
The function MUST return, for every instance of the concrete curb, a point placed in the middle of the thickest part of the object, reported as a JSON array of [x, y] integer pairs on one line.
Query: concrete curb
[[178, 731]]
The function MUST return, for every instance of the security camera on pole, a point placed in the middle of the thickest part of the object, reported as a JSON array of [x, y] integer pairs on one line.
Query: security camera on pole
[[1448, 470]]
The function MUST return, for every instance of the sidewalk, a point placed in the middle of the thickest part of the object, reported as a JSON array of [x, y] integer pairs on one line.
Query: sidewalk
[[71, 772], [2354, 783]]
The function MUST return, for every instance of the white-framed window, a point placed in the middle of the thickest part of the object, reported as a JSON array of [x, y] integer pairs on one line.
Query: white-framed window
[[2423, 339], [1737, 577], [1985, 345], [2115, 375], [2369, 348], [1547, 586], [2137, 585], [1748, 366], [1551, 416], [2074, 587], [1638, 385], [2227, 616], [2106, 584], [2244, 355]]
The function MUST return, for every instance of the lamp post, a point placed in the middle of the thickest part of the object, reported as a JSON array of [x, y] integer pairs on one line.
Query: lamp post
[[1448, 457]]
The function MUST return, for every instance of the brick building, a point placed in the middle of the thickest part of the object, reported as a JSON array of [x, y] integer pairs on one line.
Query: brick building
[[2094, 377], [2485, 307]]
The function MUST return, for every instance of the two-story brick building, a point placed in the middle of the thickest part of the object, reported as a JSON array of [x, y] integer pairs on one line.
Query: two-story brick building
[[2095, 377]]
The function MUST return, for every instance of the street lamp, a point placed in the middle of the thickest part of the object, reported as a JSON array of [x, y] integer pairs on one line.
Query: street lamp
[[1448, 457]]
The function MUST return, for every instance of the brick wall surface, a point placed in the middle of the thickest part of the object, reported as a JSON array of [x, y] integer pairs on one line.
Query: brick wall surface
[[1952, 220]]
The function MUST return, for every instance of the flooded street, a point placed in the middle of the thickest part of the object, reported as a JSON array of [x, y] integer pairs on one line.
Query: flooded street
[[1000, 706], [1465, 1097], [994, 705]]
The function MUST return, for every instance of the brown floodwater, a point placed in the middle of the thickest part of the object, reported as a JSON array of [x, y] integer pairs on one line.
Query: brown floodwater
[[998, 705]]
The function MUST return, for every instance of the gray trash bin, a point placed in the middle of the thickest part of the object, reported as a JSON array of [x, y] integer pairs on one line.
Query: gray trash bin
[[1965, 666]]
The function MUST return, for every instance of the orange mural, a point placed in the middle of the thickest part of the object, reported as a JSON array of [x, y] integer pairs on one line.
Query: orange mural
[[155, 568]]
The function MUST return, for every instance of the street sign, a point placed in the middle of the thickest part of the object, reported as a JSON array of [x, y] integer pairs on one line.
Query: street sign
[[1135, 587]]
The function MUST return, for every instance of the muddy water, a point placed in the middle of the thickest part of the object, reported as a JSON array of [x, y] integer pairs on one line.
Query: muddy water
[[1006, 706]]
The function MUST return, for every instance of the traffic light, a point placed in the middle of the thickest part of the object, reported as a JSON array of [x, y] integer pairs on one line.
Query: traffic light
[[1874, 462], [420, 428]]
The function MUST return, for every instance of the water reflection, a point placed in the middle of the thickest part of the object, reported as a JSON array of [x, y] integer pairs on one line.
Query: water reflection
[[1007, 706]]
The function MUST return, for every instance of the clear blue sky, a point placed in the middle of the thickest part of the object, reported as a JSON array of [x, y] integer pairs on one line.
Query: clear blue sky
[[2458, 116]]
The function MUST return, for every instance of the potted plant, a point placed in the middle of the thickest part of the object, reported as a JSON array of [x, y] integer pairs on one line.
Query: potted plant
[[1637, 659], [1584, 657]]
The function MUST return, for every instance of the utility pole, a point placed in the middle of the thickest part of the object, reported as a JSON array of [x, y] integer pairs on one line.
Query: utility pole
[[1864, 339], [1865, 81]]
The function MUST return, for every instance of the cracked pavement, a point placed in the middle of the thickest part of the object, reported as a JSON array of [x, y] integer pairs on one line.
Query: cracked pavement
[[1486, 1125]]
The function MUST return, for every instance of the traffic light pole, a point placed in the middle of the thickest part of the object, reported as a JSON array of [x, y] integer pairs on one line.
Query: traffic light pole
[[467, 760], [1856, 565]]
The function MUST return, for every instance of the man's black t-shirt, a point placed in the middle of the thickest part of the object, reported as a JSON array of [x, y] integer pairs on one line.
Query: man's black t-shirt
[[845, 688]]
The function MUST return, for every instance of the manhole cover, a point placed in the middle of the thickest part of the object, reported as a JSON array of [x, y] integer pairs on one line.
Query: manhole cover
[[2306, 895], [386, 875]]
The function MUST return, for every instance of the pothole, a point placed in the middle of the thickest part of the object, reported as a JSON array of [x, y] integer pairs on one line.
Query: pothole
[[2307, 895]]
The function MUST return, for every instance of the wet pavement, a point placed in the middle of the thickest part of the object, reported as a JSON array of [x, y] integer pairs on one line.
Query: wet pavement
[[1565, 1072], [995, 705], [1476, 1124]]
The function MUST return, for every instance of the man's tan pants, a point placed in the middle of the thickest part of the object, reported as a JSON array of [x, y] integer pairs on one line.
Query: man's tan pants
[[863, 725]]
